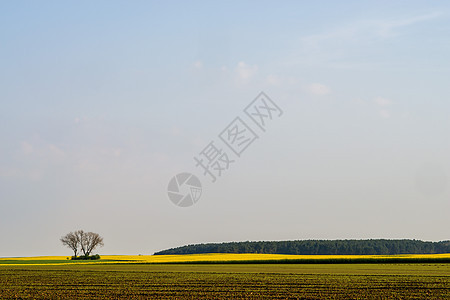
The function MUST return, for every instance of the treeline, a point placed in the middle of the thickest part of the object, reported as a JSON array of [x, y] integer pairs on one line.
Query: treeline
[[312, 247]]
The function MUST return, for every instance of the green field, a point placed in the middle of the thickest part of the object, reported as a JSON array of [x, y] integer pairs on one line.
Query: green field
[[225, 281]]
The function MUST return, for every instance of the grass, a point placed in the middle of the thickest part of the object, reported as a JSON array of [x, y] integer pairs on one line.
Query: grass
[[343, 269]]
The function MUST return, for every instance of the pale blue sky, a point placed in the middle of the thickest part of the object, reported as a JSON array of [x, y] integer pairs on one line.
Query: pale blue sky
[[102, 102]]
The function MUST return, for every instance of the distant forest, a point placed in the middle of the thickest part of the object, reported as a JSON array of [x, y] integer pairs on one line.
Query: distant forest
[[310, 247]]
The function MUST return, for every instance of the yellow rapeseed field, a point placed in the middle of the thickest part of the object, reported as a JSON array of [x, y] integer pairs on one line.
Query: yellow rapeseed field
[[251, 256], [212, 257], [34, 258]]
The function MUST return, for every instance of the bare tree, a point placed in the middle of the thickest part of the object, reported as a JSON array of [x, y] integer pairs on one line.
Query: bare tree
[[82, 241], [90, 241], [71, 240], [80, 236]]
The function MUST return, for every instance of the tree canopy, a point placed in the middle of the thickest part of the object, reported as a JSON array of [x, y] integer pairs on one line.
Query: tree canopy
[[80, 241], [311, 247]]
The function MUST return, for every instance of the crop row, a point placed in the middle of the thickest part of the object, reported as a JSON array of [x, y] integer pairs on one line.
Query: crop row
[[26, 284]]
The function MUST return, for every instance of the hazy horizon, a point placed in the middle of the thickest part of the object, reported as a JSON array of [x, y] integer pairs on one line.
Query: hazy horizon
[[103, 102], [99, 249]]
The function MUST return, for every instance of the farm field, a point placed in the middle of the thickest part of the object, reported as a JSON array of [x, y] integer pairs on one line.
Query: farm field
[[228, 258], [114, 278]]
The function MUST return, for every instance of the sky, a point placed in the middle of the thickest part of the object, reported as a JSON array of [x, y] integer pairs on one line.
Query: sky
[[104, 102]]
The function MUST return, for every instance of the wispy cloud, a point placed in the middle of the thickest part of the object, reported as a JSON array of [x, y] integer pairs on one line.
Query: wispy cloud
[[318, 40], [245, 71], [383, 102], [198, 64], [55, 152], [348, 40], [381, 28], [387, 28], [384, 105], [276, 80], [318, 89], [26, 148]]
